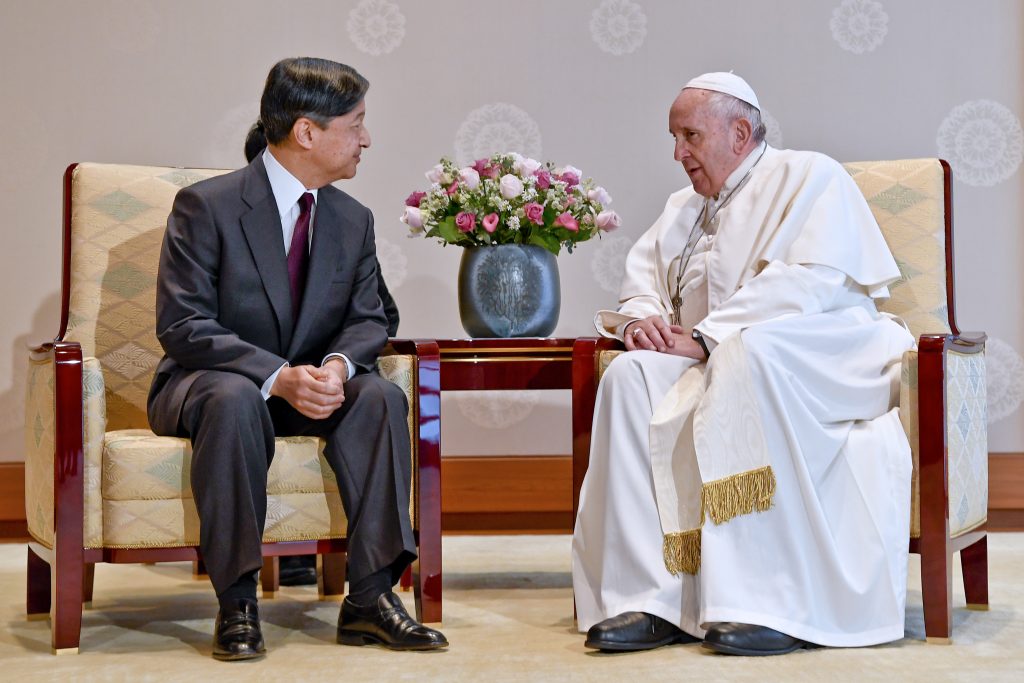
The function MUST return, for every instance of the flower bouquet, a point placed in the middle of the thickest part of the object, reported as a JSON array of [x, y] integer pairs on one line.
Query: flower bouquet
[[513, 215], [509, 199]]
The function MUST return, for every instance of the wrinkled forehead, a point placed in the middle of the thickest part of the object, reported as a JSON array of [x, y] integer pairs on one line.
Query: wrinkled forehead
[[690, 109]]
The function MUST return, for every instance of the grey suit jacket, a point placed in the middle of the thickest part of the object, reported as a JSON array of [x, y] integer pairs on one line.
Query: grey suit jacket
[[223, 300]]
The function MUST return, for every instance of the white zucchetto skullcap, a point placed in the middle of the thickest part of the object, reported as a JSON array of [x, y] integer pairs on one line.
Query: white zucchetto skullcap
[[728, 83]]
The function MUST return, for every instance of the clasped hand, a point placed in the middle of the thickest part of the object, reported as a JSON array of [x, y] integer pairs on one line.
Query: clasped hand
[[314, 392], [655, 334]]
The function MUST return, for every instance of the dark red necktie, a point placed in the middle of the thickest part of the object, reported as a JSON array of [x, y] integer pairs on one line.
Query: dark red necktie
[[298, 254]]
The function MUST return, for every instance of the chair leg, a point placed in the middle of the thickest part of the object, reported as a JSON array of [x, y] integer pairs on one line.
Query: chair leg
[[270, 576], [974, 561], [406, 582], [427, 579], [37, 600], [67, 586], [331, 569], [937, 589], [88, 577]]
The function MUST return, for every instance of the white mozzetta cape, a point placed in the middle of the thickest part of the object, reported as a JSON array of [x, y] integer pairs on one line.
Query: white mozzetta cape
[[796, 208]]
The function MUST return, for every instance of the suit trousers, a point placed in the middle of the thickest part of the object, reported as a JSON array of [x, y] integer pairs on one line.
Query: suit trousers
[[232, 429]]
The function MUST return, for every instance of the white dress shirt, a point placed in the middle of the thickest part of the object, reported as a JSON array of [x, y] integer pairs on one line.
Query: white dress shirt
[[287, 190]]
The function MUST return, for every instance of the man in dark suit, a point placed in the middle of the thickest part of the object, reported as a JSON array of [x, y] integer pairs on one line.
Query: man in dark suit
[[268, 312], [300, 570]]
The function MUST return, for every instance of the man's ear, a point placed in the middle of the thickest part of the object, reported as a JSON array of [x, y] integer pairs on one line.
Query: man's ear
[[302, 132], [742, 131]]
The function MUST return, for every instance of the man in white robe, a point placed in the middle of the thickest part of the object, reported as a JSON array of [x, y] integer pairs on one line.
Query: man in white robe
[[749, 480]]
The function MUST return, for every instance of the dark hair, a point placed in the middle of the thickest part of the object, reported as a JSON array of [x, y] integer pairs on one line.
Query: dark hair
[[317, 89], [255, 141]]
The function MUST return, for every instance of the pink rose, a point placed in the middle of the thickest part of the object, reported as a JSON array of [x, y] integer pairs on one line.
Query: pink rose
[[452, 188], [567, 221], [490, 222], [543, 179], [465, 221], [534, 213], [413, 218], [608, 220], [570, 179], [470, 177], [484, 168], [415, 198], [510, 185]]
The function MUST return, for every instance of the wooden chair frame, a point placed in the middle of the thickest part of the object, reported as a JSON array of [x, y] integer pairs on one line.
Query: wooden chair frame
[[935, 545]]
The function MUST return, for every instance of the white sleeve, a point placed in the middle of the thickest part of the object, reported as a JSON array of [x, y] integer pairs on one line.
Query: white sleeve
[[779, 291]]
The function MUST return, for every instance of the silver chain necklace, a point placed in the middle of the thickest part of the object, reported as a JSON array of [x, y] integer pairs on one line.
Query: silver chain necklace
[[694, 238]]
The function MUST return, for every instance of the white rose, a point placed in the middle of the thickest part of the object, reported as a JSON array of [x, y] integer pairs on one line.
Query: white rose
[[469, 178], [526, 166], [413, 218], [600, 195], [434, 175], [608, 220], [511, 186]]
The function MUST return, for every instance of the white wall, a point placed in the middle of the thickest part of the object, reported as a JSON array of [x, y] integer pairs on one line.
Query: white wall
[[178, 83]]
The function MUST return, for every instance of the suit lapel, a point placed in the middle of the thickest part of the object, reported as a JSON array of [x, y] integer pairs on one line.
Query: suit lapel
[[262, 229], [324, 255]]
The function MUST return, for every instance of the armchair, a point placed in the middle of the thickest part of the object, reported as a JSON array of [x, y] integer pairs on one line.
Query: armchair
[[101, 487], [942, 398]]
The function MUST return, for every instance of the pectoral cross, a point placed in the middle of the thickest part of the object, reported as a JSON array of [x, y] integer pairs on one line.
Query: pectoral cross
[[677, 303]]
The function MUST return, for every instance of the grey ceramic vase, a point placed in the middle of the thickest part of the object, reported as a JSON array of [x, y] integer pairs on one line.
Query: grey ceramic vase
[[508, 290]]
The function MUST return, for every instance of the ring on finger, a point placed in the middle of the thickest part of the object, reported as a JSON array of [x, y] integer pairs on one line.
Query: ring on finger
[[637, 331]]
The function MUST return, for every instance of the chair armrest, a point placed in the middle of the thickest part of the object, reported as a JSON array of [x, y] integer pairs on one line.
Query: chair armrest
[[585, 354], [952, 426], [425, 428], [55, 458]]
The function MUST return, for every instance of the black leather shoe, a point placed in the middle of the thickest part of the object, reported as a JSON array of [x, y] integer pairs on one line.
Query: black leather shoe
[[748, 640], [237, 634], [632, 631], [385, 623], [297, 570]]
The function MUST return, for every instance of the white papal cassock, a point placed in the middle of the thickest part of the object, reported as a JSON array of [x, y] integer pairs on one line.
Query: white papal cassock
[[802, 381]]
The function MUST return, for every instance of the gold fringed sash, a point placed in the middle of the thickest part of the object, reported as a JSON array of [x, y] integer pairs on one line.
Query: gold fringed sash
[[682, 551], [738, 494], [721, 500]]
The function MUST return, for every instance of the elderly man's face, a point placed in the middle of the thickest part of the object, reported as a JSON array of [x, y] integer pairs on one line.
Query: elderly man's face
[[706, 146]]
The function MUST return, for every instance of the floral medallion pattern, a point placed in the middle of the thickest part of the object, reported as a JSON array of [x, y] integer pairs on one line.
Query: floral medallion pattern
[[393, 263], [773, 131], [983, 142], [1005, 379], [608, 264], [496, 128], [496, 409], [376, 27], [226, 148], [618, 27], [859, 26]]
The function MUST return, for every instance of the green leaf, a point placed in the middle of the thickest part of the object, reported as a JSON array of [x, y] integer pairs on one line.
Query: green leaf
[[448, 231], [547, 241]]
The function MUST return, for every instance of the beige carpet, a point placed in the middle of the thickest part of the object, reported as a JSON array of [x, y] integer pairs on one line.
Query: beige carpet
[[508, 607]]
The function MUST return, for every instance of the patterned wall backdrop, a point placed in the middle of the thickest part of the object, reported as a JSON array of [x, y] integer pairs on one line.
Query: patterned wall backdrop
[[581, 82]]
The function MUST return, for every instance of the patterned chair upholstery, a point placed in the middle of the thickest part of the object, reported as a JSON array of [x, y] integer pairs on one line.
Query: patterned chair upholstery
[[942, 398], [101, 487]]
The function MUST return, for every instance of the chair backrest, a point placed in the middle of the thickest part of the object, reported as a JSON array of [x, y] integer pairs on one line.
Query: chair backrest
[[910, 200], [114, 221]]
